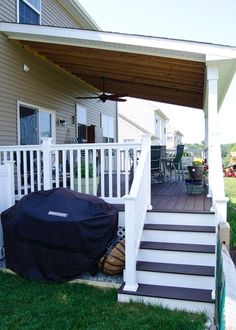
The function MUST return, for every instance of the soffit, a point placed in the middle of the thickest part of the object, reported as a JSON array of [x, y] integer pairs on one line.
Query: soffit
[[155, 78], [156, 69]]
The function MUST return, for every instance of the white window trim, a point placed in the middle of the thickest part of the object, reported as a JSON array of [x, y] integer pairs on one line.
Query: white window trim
[[106, 120], [33, 106], [28, 4], [85, 112]]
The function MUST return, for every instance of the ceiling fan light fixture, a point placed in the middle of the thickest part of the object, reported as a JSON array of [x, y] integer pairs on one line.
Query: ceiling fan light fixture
[[103, 96]]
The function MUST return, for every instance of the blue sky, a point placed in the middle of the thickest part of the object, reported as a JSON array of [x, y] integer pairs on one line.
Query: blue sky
[[200, 20]]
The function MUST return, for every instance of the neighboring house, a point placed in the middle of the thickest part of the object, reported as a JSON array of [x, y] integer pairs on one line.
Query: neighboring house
[[138, 117], [37, 97], [174, 137]]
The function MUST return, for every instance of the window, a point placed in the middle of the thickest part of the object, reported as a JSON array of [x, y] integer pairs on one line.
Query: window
[[81, 115], [108, 128], [34, 124], [29, 11]]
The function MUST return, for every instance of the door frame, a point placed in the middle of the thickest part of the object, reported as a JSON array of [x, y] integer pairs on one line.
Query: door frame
[[38, 108]]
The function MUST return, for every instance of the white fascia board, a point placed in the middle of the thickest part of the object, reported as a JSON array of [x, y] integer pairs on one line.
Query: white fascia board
[[119, 42]]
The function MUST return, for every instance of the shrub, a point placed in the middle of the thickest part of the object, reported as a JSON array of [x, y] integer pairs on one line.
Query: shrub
[[90, 170]]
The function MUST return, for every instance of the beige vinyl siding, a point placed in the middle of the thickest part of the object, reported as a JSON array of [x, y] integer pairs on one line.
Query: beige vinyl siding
[[53, 13], [8, 11], [46, 86]]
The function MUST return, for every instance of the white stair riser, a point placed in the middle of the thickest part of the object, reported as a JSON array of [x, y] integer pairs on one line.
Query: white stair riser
[[180, 218], [177, 280], [179, 237], [191, 306], [177, 257]]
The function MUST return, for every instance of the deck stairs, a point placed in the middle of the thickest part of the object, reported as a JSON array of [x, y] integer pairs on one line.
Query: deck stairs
[[176, 262]]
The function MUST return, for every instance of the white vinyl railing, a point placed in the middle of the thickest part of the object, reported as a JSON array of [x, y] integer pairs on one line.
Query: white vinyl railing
[[105, 170], [136, 205]]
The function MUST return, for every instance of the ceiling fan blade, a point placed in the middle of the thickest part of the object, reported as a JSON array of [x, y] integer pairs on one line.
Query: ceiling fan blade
[[120, 100], [87, 97], [115, 96]]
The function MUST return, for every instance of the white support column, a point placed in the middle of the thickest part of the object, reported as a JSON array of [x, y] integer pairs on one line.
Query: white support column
[[130, 246], [7, 193], [47, 163], [212, 81], [206, 136]]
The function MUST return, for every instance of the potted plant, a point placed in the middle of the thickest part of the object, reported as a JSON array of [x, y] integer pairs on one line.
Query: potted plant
[[196, 171]]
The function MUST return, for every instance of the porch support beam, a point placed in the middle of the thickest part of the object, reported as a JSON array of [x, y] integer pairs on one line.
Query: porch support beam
[[215, 176], [211, 121]]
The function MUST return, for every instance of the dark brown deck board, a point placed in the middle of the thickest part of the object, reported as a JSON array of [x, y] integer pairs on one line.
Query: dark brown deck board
[[172, 196], [170, 292], [160, 267], [199, 248], [185, 228]]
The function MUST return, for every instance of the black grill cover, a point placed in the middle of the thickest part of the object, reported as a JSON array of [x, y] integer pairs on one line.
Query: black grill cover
[[56, 235]]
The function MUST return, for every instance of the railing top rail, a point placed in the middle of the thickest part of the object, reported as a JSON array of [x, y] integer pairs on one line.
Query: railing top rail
[[21, 147], [97, 146], [73, 146]]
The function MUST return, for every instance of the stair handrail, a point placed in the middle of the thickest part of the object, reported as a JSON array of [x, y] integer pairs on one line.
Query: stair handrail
[[137, 202]]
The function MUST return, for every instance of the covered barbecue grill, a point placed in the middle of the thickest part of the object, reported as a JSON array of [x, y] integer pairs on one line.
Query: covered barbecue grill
[[58, 234]]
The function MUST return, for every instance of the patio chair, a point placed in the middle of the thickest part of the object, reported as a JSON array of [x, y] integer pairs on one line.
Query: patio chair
[[175, 165], [157, 171]]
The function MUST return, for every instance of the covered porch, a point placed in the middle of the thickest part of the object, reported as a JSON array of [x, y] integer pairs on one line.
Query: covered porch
[[172, 71]]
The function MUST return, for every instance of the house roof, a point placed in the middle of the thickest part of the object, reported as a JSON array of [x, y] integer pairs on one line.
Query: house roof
[[80, 14], [133, 124], [162, 115], [158, 69]]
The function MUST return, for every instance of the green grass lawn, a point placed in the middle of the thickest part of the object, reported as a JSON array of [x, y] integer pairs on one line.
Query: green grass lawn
[[71, 306], [230, 191]]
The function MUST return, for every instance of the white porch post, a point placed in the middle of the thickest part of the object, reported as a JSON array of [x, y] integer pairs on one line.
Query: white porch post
[[47, 163], [215, 176], [212, 107], [206, 134], [7, 193]]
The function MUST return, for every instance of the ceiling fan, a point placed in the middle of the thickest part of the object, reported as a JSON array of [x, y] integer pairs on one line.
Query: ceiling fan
[[104, 97]]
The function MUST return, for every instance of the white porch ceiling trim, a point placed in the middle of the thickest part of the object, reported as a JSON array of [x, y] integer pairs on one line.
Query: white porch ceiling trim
[[174, 48]]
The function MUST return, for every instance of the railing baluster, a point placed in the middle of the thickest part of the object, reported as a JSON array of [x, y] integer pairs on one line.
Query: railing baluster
[[25, 171], [31, 170], [64, 167], [94, 172], [86, 172], [126, 172], [57, 167], [71, 169], [110, 172], [102, 173], [79, 169], [118, 172]]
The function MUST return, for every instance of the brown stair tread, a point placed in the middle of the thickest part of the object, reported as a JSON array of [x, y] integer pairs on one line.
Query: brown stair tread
[[201, 248], [185, 228], [175, 268], [170, 292]]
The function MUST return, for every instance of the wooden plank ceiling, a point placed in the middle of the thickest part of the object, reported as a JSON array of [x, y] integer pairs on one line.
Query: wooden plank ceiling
[[155, 78]]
